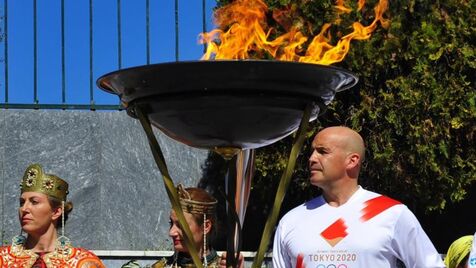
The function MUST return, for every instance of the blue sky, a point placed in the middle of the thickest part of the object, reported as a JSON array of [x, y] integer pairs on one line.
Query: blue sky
[[77, 42]]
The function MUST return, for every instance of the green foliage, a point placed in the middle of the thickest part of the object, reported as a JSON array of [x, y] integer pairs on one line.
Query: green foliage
[[417, 117], [415, 104]]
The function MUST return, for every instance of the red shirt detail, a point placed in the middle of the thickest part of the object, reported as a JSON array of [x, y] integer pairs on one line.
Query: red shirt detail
[[335, 230], [300, 261], [377, 205]]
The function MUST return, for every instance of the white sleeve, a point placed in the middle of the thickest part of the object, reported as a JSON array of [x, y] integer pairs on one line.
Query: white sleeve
[[472, 255], [280, 255], [412, 245]]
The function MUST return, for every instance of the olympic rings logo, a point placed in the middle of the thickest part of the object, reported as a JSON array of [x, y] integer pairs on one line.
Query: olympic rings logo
[[331, 266]]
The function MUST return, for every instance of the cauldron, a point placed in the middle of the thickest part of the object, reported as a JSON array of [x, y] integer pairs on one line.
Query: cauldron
[[222, 105]]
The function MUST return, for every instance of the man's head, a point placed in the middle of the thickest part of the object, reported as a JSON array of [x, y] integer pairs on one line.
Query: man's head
[[458, 252], [337, 154]]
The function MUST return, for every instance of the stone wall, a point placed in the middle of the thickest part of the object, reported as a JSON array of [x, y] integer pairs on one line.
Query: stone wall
[[119, 198]]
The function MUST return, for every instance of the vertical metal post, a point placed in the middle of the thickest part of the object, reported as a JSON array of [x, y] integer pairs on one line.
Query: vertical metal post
[[5, 18], [63, 72], [5, 39], [147, 30], [91, 91], [204, 22], [119, 35], [35, 55], [176, 30], [233, 224]]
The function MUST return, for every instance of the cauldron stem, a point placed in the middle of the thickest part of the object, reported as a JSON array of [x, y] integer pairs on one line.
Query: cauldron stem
[[227, 152], [283, 186], [169, 185], [233, 238], [238, 186]]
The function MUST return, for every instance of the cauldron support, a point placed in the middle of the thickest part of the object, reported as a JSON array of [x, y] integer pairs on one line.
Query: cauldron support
[[238, 185], [233, 221], [227, 106], [169, 184], [283, 186]]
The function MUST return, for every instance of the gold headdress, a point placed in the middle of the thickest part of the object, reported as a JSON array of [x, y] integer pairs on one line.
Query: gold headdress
[[197, 207], [192, 206], [35, 180]]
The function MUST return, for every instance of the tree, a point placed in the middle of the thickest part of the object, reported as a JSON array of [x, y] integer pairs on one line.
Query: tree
[[415, 104]]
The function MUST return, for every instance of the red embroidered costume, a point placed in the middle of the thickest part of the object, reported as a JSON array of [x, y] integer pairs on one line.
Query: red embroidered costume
[[19, 257]]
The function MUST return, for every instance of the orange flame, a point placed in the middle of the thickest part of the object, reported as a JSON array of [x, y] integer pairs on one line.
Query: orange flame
[[248, 35], [343, 9]]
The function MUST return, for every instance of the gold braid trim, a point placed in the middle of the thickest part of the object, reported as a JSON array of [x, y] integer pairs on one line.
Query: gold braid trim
[[35, 180], [192, 206]]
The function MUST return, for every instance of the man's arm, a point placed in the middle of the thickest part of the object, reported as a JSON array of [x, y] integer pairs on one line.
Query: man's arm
[[280, 255], [412, 244]]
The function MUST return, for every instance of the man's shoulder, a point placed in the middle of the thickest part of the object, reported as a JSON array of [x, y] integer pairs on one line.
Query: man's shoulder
[[305, 207], [371, 196], [375, 202]]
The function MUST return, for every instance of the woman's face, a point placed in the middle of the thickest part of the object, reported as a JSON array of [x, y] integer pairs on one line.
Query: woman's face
[[36, 214], [176, 232]]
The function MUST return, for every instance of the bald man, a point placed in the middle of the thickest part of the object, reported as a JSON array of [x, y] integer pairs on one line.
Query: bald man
[[348, 226]]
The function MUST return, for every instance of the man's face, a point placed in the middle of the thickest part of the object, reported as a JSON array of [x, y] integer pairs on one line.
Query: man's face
[[328, 159]]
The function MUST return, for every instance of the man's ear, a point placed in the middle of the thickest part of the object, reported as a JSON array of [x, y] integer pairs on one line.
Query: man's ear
[[353, 160]]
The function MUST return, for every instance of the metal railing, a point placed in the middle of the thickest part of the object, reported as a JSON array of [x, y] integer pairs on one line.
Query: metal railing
[[94, 12]]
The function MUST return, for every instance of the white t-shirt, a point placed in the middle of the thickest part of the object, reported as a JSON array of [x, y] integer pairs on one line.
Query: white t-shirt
[[472, 255], [368, 231]]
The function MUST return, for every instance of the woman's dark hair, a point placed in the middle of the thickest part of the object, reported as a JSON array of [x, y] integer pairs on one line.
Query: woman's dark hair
[[68, 207]]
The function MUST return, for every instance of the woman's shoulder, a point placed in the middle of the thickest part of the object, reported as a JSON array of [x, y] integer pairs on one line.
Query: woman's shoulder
[[83, 252], [161, 263], [86, 258], [4, 251], [215, 262], [15, 251], [5, 248], [16, 256]]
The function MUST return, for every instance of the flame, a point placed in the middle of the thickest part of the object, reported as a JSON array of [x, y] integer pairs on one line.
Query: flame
[[248, 35], [340, 6]]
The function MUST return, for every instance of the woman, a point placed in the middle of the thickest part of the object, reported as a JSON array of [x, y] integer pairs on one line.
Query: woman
[[199, 212], [43, 210], [458, 252]]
